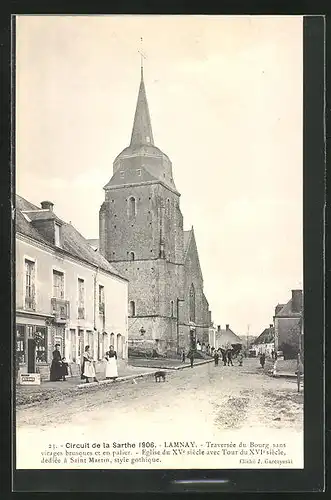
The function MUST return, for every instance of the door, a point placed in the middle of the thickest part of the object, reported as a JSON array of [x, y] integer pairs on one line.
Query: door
[[31, 356], [73, 354], [119, 346]]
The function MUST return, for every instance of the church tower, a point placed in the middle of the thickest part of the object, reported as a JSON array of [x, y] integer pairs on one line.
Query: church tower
[[141, 232]]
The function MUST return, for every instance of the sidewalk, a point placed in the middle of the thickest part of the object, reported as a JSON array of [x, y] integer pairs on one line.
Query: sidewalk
[[32, 394]]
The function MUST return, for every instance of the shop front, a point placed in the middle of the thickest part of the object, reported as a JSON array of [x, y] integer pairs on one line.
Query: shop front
[[35, 336]]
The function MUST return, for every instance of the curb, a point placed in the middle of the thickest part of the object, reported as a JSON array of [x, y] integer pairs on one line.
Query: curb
[[205, 361], [118, 379]]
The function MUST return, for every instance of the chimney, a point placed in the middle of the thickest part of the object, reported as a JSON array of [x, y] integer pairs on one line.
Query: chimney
[[218, 328], [296, 301], [227, 327], [271, 325], [278, 308], [47, 205]]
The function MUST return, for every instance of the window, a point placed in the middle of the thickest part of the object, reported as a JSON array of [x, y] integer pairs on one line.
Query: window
[[57, 235], [132, 206], [101, 300], [148, 139], [122, 174], [138, 171], [132, 308], [58, 284], [41, 344], [29, 284], [81, 294], [192, 303], [131, 255], [20, 343], [172, 308]]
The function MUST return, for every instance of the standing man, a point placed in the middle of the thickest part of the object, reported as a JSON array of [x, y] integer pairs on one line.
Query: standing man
[[191, 356], [230, 357], [183, 356], [216, 357], [262, 360]]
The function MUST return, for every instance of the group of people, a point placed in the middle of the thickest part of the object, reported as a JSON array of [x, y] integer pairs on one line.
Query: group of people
[[227, 357], [59, 366]]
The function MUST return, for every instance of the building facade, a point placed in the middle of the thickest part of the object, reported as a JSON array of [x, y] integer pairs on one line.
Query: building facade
[[141, 233], [265, 343], [66, 293], [288, 321]]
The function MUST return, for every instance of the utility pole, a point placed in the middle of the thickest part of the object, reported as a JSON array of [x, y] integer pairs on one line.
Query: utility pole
[[247, 338]]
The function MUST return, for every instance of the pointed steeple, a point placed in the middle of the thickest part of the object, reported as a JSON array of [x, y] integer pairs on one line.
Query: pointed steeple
[[142, 129]]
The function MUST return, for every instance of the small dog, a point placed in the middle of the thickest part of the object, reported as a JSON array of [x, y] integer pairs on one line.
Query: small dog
[[159, 376]]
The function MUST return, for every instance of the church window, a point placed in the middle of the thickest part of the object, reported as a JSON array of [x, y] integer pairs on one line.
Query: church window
[[172, 308], [192, 303], [132, 308], [139, 171], [148, 139], [132, 207], [131, 255], [122, 174]]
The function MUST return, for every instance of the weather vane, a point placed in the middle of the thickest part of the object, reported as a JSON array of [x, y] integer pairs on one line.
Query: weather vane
[[142, 55]]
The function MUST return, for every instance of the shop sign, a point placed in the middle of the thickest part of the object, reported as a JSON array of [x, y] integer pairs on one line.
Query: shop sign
[[30, 378]]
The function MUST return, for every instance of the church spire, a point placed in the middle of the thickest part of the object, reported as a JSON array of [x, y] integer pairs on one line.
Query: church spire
[[142, 128]]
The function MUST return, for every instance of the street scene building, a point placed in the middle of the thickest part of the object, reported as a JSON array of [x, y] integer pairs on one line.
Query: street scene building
[[288, 321], [265, 342], [66, 293], [141, 233]]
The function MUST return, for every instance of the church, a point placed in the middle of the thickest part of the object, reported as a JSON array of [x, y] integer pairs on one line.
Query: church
[[141, 233]]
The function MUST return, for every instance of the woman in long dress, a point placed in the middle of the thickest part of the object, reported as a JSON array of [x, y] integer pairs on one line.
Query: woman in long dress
[[88, 365], [111, 363], [56, 373]]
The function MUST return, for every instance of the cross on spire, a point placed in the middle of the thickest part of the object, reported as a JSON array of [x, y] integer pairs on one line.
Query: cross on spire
[[142, 57]]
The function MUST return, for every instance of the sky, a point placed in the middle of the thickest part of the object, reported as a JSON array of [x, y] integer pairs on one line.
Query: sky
[[225, 95]]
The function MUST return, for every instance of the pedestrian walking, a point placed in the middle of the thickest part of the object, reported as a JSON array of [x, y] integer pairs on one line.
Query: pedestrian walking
[[224, 357], [88, 370], [216, 358], [111, 364], [56, 372], [229, 356], [273, 354], [240, 358], [183, 356], [262, 360], [191, 357]]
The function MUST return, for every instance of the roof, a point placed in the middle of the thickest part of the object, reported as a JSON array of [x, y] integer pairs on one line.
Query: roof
[[267, 336], [73, 243], [286, 311], [142, 128], [187, 236], [226, 338], [94, 243]]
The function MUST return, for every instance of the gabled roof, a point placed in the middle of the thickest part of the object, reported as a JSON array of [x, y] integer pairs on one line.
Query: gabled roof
[[73, 243], [227, 337], [189, 242], [267, 336], [286, 311]]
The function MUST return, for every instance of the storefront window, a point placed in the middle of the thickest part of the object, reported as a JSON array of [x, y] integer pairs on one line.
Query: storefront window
[[41, 344], [20, 344]]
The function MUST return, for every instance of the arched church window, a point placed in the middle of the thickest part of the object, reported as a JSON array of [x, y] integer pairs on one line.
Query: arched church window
[[172, 308], [131, 255], [192, 303], [132, 308], [132, 208]]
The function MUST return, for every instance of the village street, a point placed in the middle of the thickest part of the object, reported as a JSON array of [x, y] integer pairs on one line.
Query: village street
[[205, 398]]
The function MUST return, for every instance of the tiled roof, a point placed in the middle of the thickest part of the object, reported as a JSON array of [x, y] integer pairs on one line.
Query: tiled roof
[[73, 243], [187, 236], [227, 337], [286, 311], [267, 336]]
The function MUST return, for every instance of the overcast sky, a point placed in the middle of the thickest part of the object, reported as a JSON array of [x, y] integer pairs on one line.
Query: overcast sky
[[225, 98]]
